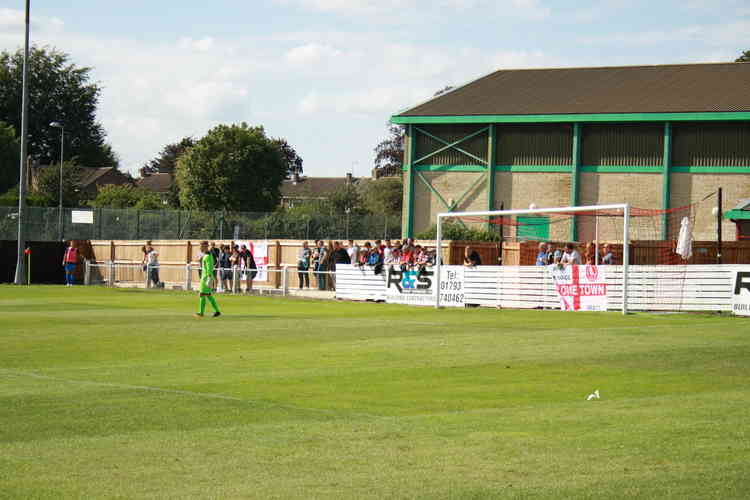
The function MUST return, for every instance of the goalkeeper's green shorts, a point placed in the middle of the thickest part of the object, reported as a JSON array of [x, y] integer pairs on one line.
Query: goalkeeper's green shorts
[[205, 287]]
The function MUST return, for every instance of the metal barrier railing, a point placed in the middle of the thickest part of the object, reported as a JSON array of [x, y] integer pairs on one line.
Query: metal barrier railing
[[112, 274]]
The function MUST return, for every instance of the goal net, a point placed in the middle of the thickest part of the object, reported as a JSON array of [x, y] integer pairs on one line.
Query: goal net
[[615, 235]]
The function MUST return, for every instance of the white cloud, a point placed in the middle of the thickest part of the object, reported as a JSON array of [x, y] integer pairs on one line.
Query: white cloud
[[13, 24], [202, 45], [311, 53], [397, 10]]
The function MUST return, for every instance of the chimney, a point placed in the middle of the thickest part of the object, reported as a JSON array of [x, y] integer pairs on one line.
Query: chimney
[[295, 177], [349, 179]]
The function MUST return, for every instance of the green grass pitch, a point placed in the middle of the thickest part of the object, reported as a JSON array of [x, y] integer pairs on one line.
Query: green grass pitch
[[109, 393]]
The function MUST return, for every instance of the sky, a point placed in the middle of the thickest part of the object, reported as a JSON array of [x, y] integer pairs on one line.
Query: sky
[[328, 74]]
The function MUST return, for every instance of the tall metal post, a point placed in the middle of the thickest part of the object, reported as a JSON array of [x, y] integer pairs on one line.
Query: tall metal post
[[719, 217], [438, 260], [574, 177], [20, 264], [62, 155], [625, 257]]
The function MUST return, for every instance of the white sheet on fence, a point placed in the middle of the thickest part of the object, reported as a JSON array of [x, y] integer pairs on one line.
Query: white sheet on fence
[[652, 288]]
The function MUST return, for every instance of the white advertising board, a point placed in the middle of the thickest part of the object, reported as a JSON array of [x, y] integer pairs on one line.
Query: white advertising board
[[418, 288], [82, 216], [741, 293], [580, 288]]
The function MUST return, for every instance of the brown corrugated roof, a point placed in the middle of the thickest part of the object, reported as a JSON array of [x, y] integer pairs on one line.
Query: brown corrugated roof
[[158, 183], [678, 88]]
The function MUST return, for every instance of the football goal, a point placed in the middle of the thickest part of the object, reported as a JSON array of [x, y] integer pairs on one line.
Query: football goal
[[601, 224]]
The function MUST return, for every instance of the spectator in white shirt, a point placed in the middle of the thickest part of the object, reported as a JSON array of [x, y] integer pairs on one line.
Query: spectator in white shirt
[[570, 256]]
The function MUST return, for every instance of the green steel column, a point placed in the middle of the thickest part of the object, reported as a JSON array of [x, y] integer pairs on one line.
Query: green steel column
[[574, 171], [666, 166], [491, 147], [408, 229]]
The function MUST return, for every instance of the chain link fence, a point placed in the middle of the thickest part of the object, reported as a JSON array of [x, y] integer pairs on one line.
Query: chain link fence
[[43, 224]]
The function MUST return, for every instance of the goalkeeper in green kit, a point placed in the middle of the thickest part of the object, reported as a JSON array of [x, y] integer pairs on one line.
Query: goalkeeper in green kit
[[206, 285]]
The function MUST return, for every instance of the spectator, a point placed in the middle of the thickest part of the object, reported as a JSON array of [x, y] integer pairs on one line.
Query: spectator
[[303, 265], [214, 251], [608, 258], [330, 265], [395, 254], [340, 254], [589, 255], [322, 265], [542, 258], [570, 256], [235, 259], [352, 251], [364, 254], [421, 258], [407, 256], [471, 257], [153, 266], [225, 268], [144, 259], [557, 257], [251, 270], [387, 252], [70, 262]]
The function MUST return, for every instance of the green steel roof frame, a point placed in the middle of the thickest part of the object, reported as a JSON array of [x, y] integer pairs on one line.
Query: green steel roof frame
[[576, 118]]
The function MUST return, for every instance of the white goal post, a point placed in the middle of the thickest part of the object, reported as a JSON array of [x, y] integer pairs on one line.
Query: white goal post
[[560, 210]]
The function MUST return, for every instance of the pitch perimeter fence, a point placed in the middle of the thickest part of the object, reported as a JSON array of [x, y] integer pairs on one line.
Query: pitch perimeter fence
[[43, 224]]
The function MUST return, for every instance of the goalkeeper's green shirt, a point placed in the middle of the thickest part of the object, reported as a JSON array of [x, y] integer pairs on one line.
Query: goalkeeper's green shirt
[[207, 266]]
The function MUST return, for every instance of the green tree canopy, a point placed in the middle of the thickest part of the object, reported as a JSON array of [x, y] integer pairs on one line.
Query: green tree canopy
[[166, 160], [384, 196], [166, 163], [291, 158], [234, 167], [48, 185], [389, 153], [126, 196], [59, 91], [745, 57], [10, 156]]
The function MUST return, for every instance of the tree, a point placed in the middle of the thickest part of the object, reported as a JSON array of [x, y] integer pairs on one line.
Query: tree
[[10, 154], [389, 154], [345, 197], [745, 57], [126, 196], [291, 158], [61, 92], [384, 196], [234, 167], [48, 185], [166, 161]]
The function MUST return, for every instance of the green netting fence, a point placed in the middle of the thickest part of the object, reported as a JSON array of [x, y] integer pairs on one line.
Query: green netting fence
[[44, 224]]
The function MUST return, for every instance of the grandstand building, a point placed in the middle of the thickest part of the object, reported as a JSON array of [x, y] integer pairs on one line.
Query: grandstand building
[[657, 137]]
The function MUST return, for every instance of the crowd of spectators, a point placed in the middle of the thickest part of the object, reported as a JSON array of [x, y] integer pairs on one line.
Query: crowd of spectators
[[568, 254], [322, 259], [315, 264]]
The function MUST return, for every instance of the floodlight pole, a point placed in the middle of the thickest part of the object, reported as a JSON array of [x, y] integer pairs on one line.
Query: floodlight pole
[[20, 264], [60, 205]]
